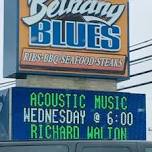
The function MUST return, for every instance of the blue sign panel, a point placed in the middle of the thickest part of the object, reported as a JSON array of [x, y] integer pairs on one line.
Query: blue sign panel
[[59, 114]]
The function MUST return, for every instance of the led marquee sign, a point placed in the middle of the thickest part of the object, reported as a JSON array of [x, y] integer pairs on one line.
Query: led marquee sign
[[61, 114], [78, 37]]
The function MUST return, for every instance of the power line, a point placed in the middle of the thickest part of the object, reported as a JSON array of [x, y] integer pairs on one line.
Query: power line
[[134, 86], [137, 62], [141, 42], [7, 82], [142, 47], [141, 59]]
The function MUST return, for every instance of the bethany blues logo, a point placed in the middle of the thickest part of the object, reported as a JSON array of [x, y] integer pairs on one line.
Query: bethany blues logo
[[96, 30]]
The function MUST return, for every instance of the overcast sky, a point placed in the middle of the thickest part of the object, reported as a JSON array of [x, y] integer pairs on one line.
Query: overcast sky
[[1, 36], [140, 18]]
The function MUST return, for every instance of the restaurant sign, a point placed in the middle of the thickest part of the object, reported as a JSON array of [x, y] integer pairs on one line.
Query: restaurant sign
[[64, 114], [78, 37]]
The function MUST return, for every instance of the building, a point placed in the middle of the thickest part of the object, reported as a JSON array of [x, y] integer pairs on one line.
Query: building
[[141, 77]]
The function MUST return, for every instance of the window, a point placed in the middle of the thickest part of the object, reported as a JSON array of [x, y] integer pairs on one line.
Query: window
[[106, 149], [148, 149], [46, 148]]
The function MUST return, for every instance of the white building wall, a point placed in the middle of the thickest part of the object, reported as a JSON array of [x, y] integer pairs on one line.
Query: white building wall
[[141, 78]]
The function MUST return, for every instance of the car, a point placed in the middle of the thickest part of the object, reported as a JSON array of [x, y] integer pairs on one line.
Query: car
[[77, 146]]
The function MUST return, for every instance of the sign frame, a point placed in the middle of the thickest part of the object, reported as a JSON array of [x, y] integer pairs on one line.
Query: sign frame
[[88, 94]]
